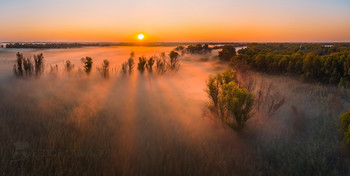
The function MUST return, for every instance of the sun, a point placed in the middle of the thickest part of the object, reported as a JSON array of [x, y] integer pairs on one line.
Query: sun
[[140, 36]]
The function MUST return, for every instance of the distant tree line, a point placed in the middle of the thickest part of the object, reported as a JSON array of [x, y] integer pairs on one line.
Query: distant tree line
[[329, 64], [193, 49], [50, 45]]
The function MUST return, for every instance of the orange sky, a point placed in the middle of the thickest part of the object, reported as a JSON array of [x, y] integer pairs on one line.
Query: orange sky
[[175, 21]]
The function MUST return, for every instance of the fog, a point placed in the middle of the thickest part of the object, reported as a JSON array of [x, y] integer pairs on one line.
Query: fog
[[147, 124]]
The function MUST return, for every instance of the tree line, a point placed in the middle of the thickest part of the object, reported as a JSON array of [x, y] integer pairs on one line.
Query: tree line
[[26, 67], [329, 64]]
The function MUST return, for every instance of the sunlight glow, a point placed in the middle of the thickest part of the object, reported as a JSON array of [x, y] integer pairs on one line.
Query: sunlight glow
[[140, 36]]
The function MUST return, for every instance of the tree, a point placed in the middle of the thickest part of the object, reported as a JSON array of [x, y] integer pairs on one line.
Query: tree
[[238, 103], [87, 61], [174, 61], [131, 62], [104, 69], [227, 52], [142, 63], [150, 63], [231, 103], [39, 63], [69, 66], [344, 126]]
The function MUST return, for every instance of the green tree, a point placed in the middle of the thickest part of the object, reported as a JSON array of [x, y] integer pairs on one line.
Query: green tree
[[231, 103], [238, 102], [227, 52], [344, 126]]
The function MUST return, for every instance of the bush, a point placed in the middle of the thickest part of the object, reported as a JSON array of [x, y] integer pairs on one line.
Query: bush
[[231, 103], [87, 64], [344, 126]]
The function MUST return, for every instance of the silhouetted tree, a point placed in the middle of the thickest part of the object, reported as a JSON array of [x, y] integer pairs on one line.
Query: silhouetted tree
[[104, 69], [142, 63], [131, 62], [150, 63], [39, 63], [87, 61], [18, 69], [69, 66], [174, 61]]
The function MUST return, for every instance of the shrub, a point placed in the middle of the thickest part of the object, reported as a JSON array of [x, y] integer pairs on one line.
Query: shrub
[[87, 64], [141, 65]]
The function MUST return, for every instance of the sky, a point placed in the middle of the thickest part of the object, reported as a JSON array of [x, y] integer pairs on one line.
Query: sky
[[175, 21]]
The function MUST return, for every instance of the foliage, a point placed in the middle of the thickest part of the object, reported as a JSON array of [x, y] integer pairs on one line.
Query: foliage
[[232, 103], [344, 126], [87, 61], [329, 65], [227, 52]]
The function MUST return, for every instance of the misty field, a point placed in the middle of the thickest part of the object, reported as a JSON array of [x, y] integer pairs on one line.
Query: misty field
[[72, 123]]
